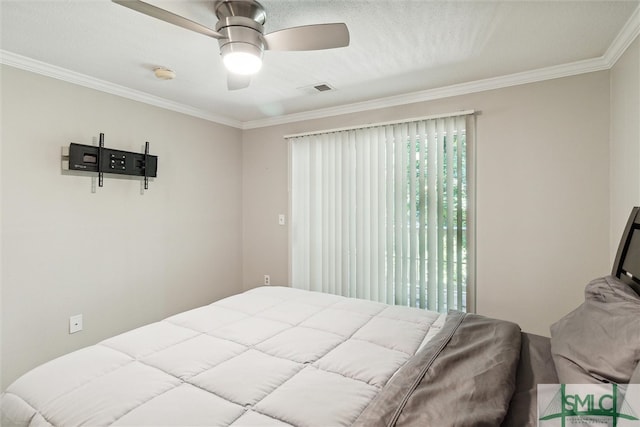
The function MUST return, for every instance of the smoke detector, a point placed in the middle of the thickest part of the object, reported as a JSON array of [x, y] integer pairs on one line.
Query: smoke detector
[[164, 73]]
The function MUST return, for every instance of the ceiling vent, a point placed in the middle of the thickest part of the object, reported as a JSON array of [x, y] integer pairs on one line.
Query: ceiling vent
[[318, 87], [322, 87]]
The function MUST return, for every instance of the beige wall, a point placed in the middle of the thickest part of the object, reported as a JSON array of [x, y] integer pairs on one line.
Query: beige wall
[[625, 140], [120, 258], [542, 194]]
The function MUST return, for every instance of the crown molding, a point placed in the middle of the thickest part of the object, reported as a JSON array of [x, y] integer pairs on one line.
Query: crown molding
[[45, 69], [565, 70], [623, 40]]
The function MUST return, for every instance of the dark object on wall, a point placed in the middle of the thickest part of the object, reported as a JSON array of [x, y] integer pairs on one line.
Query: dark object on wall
[[627, 264], [89, 158]]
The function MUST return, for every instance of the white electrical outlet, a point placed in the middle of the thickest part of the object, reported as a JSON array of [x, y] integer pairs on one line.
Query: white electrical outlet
[[75, 323], [267, 280]]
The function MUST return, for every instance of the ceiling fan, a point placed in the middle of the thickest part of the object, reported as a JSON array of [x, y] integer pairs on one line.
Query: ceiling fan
[[241, 37]]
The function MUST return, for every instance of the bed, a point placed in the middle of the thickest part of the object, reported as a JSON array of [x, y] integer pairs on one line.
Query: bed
[[277, 356]]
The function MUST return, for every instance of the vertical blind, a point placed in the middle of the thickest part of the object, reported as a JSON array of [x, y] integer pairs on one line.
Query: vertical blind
[[381, 212]]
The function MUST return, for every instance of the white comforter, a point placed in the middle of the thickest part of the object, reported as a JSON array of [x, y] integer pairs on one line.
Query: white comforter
[[270, 356]]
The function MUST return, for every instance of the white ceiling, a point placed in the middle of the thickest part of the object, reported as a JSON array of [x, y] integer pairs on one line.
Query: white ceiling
[[399, 50]]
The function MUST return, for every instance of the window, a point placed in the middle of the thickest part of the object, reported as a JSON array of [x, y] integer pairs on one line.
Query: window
[[382, 212]]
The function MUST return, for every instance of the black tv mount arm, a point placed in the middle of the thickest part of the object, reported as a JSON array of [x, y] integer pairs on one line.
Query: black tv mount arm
[[89, 158]]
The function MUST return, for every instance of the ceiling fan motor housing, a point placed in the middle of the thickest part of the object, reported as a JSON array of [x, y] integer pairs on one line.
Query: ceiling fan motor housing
[[241, 24], [243, 8]]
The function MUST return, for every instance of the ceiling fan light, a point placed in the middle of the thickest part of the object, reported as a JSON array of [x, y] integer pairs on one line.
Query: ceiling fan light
[[241, 58], [243, 63]]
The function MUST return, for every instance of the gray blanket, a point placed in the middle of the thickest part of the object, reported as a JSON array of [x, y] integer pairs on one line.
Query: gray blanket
[[464, 376]]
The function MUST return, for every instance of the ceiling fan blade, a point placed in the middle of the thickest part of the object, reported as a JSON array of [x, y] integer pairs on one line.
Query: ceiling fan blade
[[237, 81], [170, 17], [309, 37]]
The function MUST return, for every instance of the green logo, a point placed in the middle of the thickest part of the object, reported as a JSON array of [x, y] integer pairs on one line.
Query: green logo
[[581, 404]]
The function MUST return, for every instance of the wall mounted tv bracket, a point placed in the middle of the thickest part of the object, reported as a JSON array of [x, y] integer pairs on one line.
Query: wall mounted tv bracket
[[89, 158]]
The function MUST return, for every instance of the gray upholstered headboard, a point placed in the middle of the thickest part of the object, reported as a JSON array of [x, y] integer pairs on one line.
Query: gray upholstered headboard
[[626, 266]]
